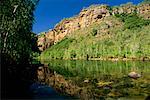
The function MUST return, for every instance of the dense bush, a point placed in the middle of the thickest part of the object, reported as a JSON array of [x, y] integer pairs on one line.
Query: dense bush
[[132, 21]]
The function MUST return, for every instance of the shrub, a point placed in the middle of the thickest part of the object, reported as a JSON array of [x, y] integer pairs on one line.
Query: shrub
[[94, 32], [132, 21]]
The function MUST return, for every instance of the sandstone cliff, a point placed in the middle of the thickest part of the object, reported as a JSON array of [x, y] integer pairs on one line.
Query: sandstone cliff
[[88, 16]]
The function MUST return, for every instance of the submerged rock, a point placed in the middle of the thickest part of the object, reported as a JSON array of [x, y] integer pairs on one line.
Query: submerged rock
[[134, 75], [86, 81]]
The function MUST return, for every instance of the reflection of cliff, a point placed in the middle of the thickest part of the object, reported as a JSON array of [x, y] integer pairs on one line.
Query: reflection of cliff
[[59, 83], [93, 14]]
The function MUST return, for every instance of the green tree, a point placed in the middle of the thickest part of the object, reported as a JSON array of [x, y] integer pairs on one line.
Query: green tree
[[132, 21], [16, 19]]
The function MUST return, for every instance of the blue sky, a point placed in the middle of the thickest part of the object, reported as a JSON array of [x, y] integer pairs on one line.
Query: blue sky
[[49, 12]]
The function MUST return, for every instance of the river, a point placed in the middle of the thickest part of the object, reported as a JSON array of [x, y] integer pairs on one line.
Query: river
[[100, 79]]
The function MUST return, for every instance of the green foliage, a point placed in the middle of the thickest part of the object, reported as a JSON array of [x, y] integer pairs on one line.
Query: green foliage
[[108, 43], [94, 32], [73, 54], [16, 19], [132, 21], [58, 50]]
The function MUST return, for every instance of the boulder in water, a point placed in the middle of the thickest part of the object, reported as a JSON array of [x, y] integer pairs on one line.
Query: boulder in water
[[86, 81], [134, 75]]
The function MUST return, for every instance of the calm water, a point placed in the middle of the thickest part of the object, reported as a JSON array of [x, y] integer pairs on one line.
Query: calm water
[[105, 72], [97, 69]]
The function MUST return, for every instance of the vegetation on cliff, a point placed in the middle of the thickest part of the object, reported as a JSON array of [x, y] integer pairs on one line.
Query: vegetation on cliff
[[122, 35]]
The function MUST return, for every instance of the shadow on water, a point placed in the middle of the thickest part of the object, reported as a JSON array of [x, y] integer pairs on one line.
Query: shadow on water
[[21, 86], [20, 82], [16, 80]]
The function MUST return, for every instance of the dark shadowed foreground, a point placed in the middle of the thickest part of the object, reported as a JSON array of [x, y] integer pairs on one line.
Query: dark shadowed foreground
[[20, 82]]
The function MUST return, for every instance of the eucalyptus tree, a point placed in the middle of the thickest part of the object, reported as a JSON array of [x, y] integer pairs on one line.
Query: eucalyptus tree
[[16, 20]]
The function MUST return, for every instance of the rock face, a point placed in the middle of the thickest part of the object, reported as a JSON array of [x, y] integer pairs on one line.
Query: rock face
[[144, 10], [93, 14], [46, 40]]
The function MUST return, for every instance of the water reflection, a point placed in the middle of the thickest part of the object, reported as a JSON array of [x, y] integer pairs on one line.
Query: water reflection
[[96, 68], [100, 79]]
